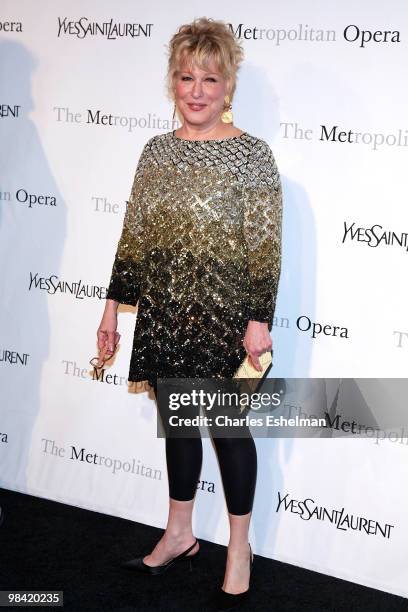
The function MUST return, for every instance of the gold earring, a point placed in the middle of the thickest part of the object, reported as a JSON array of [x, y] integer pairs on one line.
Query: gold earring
[[226, 116]]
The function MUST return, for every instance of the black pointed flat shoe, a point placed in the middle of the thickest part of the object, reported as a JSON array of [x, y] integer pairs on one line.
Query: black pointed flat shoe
[[232, 601], [139, 565]]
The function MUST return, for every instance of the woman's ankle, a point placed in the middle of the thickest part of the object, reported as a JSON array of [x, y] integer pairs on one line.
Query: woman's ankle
[[238, 548], [179, 534]]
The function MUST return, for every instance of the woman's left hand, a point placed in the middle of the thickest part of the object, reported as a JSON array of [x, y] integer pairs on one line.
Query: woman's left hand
[[257, 340]]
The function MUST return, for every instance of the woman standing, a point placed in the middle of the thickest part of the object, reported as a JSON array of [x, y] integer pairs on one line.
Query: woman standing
[[200, 251]]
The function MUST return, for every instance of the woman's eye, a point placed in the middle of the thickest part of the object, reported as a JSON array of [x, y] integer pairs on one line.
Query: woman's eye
[[187, 78]]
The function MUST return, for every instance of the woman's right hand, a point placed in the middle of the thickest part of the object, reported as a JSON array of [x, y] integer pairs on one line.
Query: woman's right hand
[[107, 335]]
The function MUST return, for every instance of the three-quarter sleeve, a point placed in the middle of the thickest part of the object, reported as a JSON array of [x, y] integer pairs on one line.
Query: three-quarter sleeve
[[126, 276], [262, 226]]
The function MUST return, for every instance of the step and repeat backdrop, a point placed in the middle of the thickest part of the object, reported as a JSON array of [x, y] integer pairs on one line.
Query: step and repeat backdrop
[[82, 90]]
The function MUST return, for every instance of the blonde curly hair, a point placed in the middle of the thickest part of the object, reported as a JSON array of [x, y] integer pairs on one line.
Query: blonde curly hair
[[199, 42]]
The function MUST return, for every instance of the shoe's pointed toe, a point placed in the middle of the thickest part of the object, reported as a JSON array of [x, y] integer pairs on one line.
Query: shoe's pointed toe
[[228, 601], [133, 564]]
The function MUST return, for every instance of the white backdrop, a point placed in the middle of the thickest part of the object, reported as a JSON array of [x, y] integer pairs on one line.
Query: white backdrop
[[326, 86]]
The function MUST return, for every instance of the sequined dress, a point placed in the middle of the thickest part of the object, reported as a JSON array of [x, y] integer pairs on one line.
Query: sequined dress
[[199, 253]]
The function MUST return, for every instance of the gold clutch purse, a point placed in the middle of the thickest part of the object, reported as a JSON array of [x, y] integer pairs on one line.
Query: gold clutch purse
[[253, 378], [246, 370]]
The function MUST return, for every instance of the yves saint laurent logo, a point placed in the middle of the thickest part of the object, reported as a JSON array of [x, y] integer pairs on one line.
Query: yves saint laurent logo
[[375, 236], [78, 289], [307, 509], [83, 27]]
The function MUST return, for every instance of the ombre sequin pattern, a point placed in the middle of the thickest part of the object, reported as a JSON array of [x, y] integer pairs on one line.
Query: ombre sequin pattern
[[200, 252]]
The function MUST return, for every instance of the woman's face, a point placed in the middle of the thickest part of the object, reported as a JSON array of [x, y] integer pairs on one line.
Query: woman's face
[[199, 94]]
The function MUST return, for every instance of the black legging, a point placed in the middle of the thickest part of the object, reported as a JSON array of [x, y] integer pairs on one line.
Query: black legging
[[238, 466]]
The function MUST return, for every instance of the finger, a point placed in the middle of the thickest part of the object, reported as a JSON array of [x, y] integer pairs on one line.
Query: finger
[[102, 337], [101, 356], [111, 343], [256, 363]]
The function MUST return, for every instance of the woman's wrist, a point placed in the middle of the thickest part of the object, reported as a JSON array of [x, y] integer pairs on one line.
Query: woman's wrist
[[111, 306], [260, 322]]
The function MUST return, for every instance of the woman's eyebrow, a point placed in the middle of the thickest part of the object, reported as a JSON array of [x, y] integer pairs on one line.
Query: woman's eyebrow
[[206, 73]]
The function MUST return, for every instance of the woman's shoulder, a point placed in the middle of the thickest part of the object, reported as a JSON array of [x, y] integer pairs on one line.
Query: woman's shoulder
[[156, 145], [158, 139], [261, 164], [259, 145]]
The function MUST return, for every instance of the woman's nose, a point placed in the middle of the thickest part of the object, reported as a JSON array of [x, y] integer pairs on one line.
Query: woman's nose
[[197, 89]]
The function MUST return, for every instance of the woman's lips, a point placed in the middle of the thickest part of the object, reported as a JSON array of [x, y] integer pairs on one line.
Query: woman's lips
[[196, 107]]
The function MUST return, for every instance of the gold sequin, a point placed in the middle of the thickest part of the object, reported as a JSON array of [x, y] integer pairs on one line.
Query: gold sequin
[[200, 251]]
